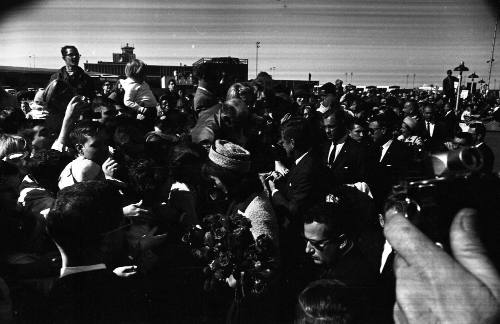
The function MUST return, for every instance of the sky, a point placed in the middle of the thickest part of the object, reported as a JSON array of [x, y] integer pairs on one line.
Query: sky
[[379, 42]]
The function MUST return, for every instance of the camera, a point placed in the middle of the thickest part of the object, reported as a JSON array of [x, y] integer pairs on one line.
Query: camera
[[455, 182]]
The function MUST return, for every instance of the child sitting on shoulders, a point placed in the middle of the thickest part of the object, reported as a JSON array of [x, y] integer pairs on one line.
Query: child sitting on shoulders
[[138, 95]]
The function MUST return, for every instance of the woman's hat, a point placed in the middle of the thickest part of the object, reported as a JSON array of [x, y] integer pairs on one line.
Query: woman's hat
[[230, 156], [411, 122]]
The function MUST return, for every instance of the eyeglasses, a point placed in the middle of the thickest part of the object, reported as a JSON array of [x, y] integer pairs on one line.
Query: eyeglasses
[[74, 55], [319, 245], [372, 130]]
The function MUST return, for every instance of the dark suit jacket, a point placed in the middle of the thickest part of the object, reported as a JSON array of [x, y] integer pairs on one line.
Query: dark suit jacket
[[97, 296], [440, 135], [389, 171], [451, 122], [203, 99], [351, 164], [488, 157], [302, 187], [448, 86]]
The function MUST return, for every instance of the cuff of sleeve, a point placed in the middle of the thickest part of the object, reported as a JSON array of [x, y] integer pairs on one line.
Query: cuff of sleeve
[[58, 146], [274, 191]]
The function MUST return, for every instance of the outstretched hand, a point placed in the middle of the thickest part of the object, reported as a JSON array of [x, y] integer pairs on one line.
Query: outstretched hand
[[434, 287]]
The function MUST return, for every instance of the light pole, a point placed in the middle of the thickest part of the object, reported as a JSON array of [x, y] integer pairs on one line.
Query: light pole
[[407, 77], [461, 68], [257, 46], [492, 59], [414, 75]]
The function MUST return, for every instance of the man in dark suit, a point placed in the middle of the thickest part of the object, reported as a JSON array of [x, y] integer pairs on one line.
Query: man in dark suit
[[205, 96], [478, 132], [391, 159], [332, 243], [292, 195], [450, 120], [303, 184], [436, 132], [86, 225], [345, 158], [449, 86]]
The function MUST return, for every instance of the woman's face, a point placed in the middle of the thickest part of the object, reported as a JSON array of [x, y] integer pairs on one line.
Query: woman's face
[[218, 191]]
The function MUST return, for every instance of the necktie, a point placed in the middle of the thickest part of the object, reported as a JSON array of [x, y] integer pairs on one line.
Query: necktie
[[331, 159], [429, 128]]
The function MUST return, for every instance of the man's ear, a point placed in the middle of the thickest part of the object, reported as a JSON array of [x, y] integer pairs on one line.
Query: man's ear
[[292, 143], [343, 245], [79, 149]]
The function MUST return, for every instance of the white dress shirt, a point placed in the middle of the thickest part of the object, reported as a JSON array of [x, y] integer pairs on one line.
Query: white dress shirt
[[385, 147], [337, 150]]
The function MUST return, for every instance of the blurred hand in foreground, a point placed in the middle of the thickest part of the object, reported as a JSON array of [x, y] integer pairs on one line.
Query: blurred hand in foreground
[[434, 287]]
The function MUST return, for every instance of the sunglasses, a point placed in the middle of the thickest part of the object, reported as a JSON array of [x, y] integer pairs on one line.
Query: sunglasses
[[319, 245]]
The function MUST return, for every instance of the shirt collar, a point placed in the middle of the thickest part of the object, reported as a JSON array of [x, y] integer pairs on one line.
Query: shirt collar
[[300, 158], [65, 271], [387, 144], [204, 89]]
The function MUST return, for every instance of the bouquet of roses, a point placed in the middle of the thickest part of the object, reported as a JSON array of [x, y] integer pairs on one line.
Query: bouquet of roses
[[232, 254]]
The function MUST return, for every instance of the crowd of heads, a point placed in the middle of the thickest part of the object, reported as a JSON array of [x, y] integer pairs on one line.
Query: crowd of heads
[[118, 160]]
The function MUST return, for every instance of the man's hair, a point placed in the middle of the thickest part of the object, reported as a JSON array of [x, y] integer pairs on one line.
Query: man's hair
[[205, 71], [326, 301], [82, 214], [335, 215], [449, 72], [356, 121], [135, 69], [381, 120], [234, 112], [99, 103], [413, 104], [298, 129], [341, 117], [239, 89], [147, 177], [83, 130], [12, 144], [429, 105], [65, 47], [480, 129]]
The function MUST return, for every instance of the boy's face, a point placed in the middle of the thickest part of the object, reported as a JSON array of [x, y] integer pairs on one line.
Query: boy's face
[[95, 148]]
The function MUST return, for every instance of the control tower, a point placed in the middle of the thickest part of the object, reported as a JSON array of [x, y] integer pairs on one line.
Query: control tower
[[125, 56]]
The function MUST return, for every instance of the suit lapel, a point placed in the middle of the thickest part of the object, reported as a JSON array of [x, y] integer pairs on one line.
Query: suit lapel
[[342, 155]]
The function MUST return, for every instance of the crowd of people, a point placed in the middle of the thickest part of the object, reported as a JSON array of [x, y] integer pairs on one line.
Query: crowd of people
[[100, 184]]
